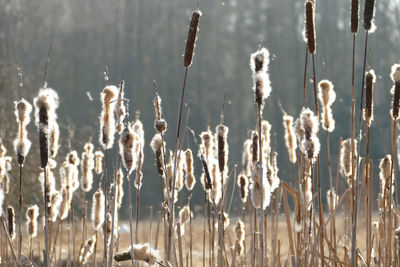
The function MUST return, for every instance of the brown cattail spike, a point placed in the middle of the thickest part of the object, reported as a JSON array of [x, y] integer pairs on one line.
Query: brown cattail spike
[[310, 27], [395, 75], [191, 38], [355, 10], [369, 9], [11, 222], [369, 97]]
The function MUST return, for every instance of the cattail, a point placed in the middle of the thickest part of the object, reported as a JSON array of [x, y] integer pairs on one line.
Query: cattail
[[72, 158], [370, 79], [300, 134], [355, 9], [265, 139], [120, 187], [65, 203], [259, 61], [369, 10], [191, 38], [332, 199], [22, 144], [290, 139], [243, 184], [246, 157], [98, 161], [87, 250], [98, 209], [310, 27], [216, 184], [87, 168], [120, 109], [11, 222], [8, 161], [327, 96], [67, 176], [50, 181], [385, 167], [156, 145], [139, 173], [54, 206], [207, 145], [46, 104], [273, 178], [308, 187], [54, 140], [5, 182], [240, 237], [256, 190], [395, 75], [184, 216], [141, 252], [223, 150], [346, 157], [127, 146], [179, 170], [190, 179], [225, 220], [159, 124], [254, 147], [31, 220], [107, 120], [107, 231], [310, 145], [137, 127]]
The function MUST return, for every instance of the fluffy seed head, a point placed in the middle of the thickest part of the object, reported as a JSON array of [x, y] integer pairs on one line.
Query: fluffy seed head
[[139, 174], [11, 222], [120, 109], [290, 139], [54, 139], [120, 188], [355, 10], [254, 147], [22, 144], [157, 107], [259, 61], [243, 184], [65, 203], [346, 157], [223, 149], [240, 237], [87, 171], [107, 119], [246, 157], [207, 145], [310, 27], [143, 252], [98, 209], [98, 161], [87, 250], [190, 179], [369, 97], [256, 190], [54, 206], [127, 145], [369, 10], [191, 38], [327, 96], [332, 199], [31, 220], [156, 145]]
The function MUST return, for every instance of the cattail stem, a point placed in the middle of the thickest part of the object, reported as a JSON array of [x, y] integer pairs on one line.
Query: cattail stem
[[20, 215], [260, 162], [8, 239], [315, 87], [204, 228], [130, 215], [105, 209], [305, 79], [190, 227], [95, 250], [321, 214], [392, 168], [46, 229], [137, 215]]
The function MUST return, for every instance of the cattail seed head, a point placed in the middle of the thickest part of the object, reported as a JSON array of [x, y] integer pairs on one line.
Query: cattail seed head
[[290, 139], [11, 222], [254, 147], [139, 173], [87, 168], [98, 161], [141, 252], [120, 109], [32, 214], [265, 139], [369, 10], [120, 187], [107, 119], [310, 27], [127, 145], [65, 203], [54, 140], [72, 158], [256, 190], [395, 75], [191, 38], [5, 182], [223, 149], [309, 125], [54, 206], [272, 170], [243, 184], [369, 97], [240, 237], [46, 104], [207, 145], [22, 144], [156, 145], [346, 157], [216, 183], [327, 96], [246, 157], [98, 209], [259, 61], [355, 10], [157, 107], [332, 199], [190, 179], [87, 250]]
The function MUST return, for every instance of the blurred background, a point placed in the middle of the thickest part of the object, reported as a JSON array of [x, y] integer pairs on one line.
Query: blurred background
[[144, 40]]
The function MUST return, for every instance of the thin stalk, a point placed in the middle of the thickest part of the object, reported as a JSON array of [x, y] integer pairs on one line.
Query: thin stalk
[[130, 215], [260, 157], [9, 240], [105, 210], [315, 87], [59, 249], [321, 214], [390, 229], [305, 79], [137, 215], [191, 233], [46, 229], [20, 215], [95, 250], [368, 199]]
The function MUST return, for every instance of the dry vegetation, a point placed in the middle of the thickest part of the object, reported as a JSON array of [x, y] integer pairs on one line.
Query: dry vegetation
[[267, 232]]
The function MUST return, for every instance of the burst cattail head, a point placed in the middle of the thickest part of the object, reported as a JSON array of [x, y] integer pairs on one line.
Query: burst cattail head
[[156, 145], [266, 138], [240, 237], [107, 120], [310, 27], [31, 220], [54, 206], [207, 145], [11, 222], [309, 145], [8, 161], [309, 123], [137, 127], [22, 144], [215, 192], [72, 158], [395, 75], [180, 163], [120, 188], [332, 199], [107, 228], [54, 139], [191, 38], [243, 184], [46, 104], [184, 215], [369, 10], [65, 203], [246, 157], [141, 252], [87, 250], [50, 181], [254, 147], [261, 88], [98, 209], [98, 161], [327, 96], [160, 125], [259, 61], [87, 169], [190, 179], [369, 97], [5, 182], [139, 173], [256, 190], [272, 172], [120, 109], [346, 157], [223, 149], [127, 145], [355, 10], [157, 107], [290, 139]]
